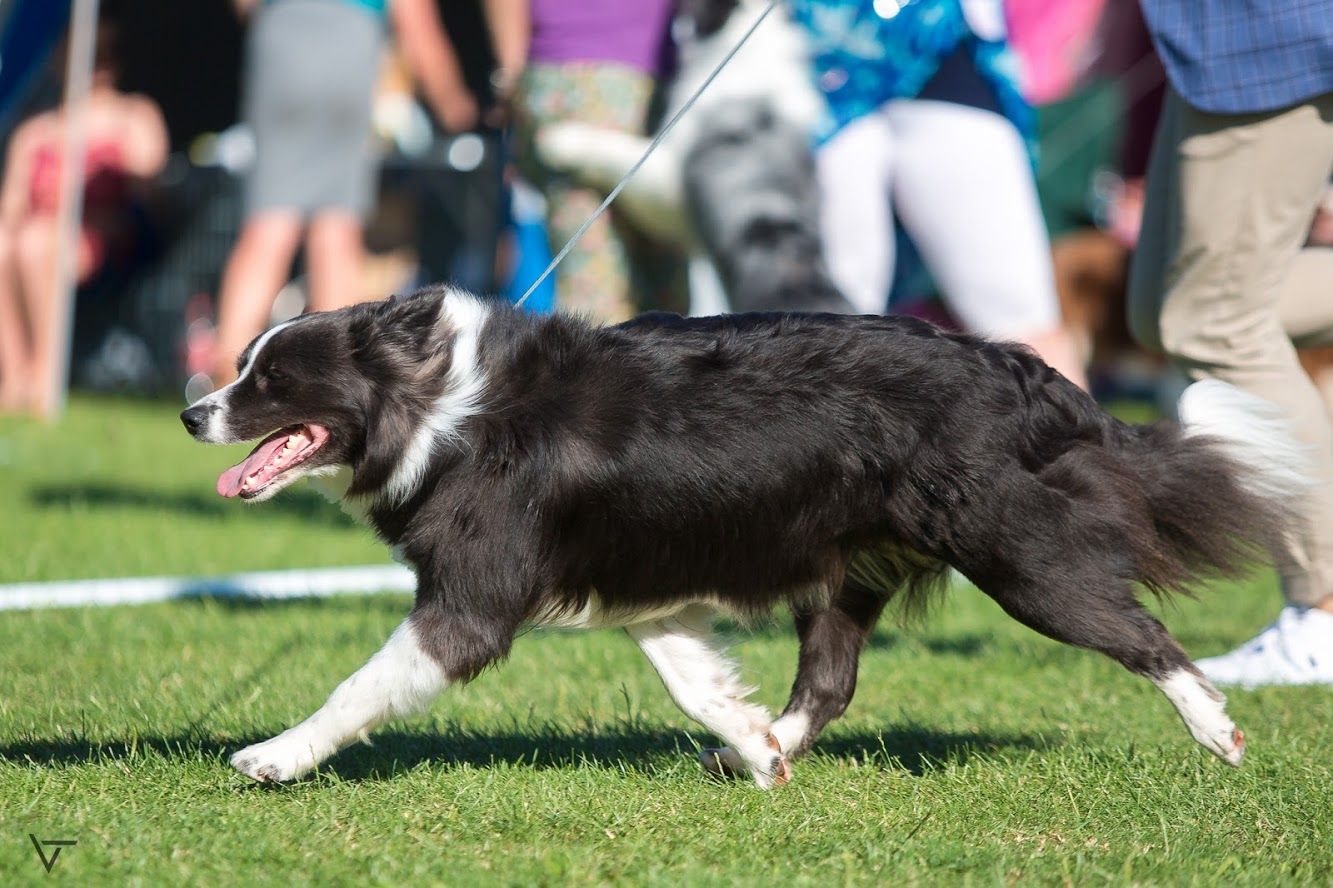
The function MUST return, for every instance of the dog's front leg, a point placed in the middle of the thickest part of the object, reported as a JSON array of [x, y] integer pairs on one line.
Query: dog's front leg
[[704, 684], [402, 678]]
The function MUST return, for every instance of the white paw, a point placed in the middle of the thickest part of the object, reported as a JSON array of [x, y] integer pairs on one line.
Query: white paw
[[1203, 709], [285, 757], [766, 763], [1226, 742]]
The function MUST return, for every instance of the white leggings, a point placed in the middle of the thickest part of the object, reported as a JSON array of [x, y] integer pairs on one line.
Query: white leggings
[[958, 179]]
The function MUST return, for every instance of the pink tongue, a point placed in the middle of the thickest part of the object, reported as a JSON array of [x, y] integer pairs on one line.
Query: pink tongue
[[232, 481]]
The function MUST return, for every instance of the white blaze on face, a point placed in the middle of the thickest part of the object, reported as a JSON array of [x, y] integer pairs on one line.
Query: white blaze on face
[[216, 429]]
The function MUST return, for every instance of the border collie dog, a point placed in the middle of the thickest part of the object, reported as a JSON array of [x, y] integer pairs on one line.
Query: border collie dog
[[540, 470]]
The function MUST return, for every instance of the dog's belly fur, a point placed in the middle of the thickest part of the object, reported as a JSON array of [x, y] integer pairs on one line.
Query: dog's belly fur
[[594, 615]]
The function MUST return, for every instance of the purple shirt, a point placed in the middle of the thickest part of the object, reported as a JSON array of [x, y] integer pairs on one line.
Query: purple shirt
[[631, 32]]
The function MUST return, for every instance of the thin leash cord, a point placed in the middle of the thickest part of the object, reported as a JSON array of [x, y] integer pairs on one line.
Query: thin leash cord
[[652, 146]]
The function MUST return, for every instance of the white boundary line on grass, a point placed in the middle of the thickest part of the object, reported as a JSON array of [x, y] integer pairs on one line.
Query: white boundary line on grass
[[257, 585]]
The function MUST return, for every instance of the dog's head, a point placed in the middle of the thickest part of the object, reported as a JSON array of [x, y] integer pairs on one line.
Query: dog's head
[[342, 388]]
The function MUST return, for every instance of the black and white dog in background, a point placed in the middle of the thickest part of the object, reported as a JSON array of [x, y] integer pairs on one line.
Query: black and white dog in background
[[541, 470], [734, 181]]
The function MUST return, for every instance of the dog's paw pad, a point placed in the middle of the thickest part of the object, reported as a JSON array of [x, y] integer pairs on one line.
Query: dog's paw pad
[[722, 762]]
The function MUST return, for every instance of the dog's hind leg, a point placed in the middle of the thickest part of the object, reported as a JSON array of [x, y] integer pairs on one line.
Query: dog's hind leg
[[1102, 614], [831, 643], [400, 679], [703, 681]]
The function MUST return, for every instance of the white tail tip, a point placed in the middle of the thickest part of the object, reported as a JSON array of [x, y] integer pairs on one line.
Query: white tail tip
[[1252, 431]]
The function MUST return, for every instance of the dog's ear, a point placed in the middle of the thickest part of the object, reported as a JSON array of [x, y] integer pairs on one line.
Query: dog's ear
[[394, 333]]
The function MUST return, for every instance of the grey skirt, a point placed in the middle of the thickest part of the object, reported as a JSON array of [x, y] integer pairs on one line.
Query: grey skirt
[[311, 68]]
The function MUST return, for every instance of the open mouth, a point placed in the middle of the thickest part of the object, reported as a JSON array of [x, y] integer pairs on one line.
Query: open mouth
[[278, 453]]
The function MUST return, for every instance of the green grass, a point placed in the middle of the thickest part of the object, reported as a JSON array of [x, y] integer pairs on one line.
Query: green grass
[[119, 489], [975, 753]]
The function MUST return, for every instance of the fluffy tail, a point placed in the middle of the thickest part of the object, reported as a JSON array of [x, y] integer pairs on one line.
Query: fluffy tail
[[1253, 433], [1223, 486]]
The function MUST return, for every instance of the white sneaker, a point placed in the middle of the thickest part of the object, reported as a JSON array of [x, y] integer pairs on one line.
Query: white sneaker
[[1296, 650]]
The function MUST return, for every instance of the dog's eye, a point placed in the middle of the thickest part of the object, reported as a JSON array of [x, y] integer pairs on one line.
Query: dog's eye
[[273, 374]]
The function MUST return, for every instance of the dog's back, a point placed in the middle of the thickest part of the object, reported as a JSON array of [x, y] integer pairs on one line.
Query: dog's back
[[766, 453]]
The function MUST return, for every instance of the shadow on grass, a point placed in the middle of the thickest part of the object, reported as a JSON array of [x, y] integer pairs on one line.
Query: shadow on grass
[[970, 644], [303, 504], [639, 748]]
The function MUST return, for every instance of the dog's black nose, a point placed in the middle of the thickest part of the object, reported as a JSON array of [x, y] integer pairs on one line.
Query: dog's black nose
[[195, 417]]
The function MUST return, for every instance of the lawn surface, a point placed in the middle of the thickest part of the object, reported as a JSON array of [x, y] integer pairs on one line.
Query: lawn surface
[[975, 753]]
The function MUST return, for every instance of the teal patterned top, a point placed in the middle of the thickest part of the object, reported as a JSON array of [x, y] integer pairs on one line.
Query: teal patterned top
[[866, 52]]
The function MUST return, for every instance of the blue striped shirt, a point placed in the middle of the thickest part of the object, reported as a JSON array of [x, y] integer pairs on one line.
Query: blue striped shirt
[[1244, 56]]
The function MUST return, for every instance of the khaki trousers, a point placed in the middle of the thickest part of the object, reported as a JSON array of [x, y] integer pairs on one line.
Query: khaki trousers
[[1220, 281]]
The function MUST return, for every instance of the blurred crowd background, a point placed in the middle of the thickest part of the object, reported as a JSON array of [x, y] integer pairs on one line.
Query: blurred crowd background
[[192, 220]]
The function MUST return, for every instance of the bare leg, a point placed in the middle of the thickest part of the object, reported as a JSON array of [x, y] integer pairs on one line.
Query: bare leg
[[15, 347], [335, 255], [979, 227], [1058, 347], [37, 243], [703, 682], [256, 270], [401, 679]]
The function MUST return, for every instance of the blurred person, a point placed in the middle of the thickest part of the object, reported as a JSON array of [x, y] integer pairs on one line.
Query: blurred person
[[1242, 158], [925, 123], [733, 182], [126, 145], [594, 62], [1089, 69], [1306, 320], [311, 70]]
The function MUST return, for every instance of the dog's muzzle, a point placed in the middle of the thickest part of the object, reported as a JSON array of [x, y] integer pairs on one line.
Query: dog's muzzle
[[195, 419]]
